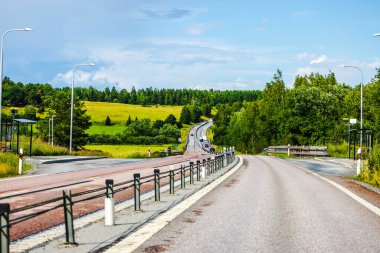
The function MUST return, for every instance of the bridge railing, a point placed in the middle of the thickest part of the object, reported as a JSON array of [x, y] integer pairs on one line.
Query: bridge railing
[[298, 150], [119, 192]]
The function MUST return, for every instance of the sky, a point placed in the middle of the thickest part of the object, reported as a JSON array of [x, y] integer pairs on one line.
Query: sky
[[198, 44]]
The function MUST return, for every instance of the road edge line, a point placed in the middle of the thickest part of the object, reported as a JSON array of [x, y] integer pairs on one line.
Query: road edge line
[[352, 195], [136, 239], [360, 200]]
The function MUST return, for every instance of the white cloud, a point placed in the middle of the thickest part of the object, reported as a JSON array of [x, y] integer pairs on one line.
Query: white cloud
[[374, 64], [318, 60]]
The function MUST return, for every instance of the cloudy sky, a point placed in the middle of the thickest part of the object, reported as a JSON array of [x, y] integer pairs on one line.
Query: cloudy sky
[[201, 44]]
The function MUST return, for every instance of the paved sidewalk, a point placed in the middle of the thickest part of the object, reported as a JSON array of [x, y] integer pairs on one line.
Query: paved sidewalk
[[93, 236]]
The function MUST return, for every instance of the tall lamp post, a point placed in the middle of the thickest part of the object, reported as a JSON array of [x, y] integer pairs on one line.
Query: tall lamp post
[[1, 66], [72, 102], [376, 35], [361, 102], [52, 130]]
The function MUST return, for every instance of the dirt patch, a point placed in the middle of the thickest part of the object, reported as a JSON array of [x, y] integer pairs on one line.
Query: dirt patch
[[155, 249], [198, 212], [231, 182], [207, 204], [189, 220]]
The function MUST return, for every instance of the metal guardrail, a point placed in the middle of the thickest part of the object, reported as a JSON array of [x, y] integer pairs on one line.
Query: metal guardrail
[[68, 200], [298, 150]]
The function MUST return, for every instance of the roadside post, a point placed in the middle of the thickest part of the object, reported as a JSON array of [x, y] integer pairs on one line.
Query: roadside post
[[208, 166], [4, 227], [109, 204], [198, 170], [69, 217], [149, 152], [288, 149], [358, 165], [20, 156], [136, 185], [157, 196], [204, 169], [182, 176], [191, 172], [171, 177]]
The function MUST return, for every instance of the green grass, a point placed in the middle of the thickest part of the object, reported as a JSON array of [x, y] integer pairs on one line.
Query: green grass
[[9, 165], [119, 113]]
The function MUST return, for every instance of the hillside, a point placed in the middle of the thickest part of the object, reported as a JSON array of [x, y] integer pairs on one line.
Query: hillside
[[119, 113]]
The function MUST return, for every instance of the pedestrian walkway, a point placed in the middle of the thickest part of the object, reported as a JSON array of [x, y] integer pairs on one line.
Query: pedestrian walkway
[[91, 235]]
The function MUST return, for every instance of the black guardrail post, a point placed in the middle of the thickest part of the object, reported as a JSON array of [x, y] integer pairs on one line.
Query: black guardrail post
[[109, 188], [191, 172], [4, 227], [69, 217], [171, 176], [136, 186], [208, 166], [183, 177], [157, 185], [204, 167], [198, 170], [109, 204]]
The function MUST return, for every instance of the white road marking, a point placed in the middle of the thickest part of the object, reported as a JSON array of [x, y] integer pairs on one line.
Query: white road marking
[[361, 201], [358, 199], [136, 239]]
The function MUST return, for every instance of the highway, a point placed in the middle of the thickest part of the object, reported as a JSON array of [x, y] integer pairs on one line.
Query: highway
[[78, 176], [271, 205]]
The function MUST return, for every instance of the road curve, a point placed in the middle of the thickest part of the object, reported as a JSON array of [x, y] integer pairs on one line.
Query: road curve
[[28, 190], [271, 205]]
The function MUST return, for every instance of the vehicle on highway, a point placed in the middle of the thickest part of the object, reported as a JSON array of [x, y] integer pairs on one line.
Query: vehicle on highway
[[192, 134]]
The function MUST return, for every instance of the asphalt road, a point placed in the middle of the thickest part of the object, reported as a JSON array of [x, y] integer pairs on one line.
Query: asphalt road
[[271, 205]]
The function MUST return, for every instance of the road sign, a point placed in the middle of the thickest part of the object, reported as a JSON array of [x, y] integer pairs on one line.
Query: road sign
[[345, 120], [352, 121]]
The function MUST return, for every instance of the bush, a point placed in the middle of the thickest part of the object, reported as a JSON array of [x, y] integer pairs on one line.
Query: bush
[[8, 164]]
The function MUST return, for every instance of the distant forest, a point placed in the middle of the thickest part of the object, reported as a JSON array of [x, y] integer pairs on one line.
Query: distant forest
[[19, 94]]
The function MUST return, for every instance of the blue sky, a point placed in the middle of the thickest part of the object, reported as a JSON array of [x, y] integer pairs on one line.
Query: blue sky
[[188, 44]]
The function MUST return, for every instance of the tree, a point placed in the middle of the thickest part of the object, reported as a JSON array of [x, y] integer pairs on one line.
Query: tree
[[108, 121], [58, 105], [129, 120], [170, 119], [185, 115], [158, 124], [170, 131]]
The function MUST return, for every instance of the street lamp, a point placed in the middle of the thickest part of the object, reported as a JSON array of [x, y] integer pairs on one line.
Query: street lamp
[[52, 130], [1, 66], [361, 102], [72, 102], [376, 35]]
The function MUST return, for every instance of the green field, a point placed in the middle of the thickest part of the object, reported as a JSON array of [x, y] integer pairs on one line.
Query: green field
[[128, 151], [119, 113]]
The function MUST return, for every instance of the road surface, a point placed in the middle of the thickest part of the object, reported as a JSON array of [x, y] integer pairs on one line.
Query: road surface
[[49, 182], [271, 205]]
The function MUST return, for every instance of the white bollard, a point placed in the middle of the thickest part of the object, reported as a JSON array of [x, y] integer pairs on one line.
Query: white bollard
[[203, 172], [109, 212], [20, 162], [359, 162]]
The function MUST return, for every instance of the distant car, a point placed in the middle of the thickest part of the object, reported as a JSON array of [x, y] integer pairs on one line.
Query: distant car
[[192, 134], [206, 146], [201, 140]]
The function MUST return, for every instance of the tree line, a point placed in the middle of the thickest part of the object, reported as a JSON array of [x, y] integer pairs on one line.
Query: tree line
[[19, 94], [309, 113]]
